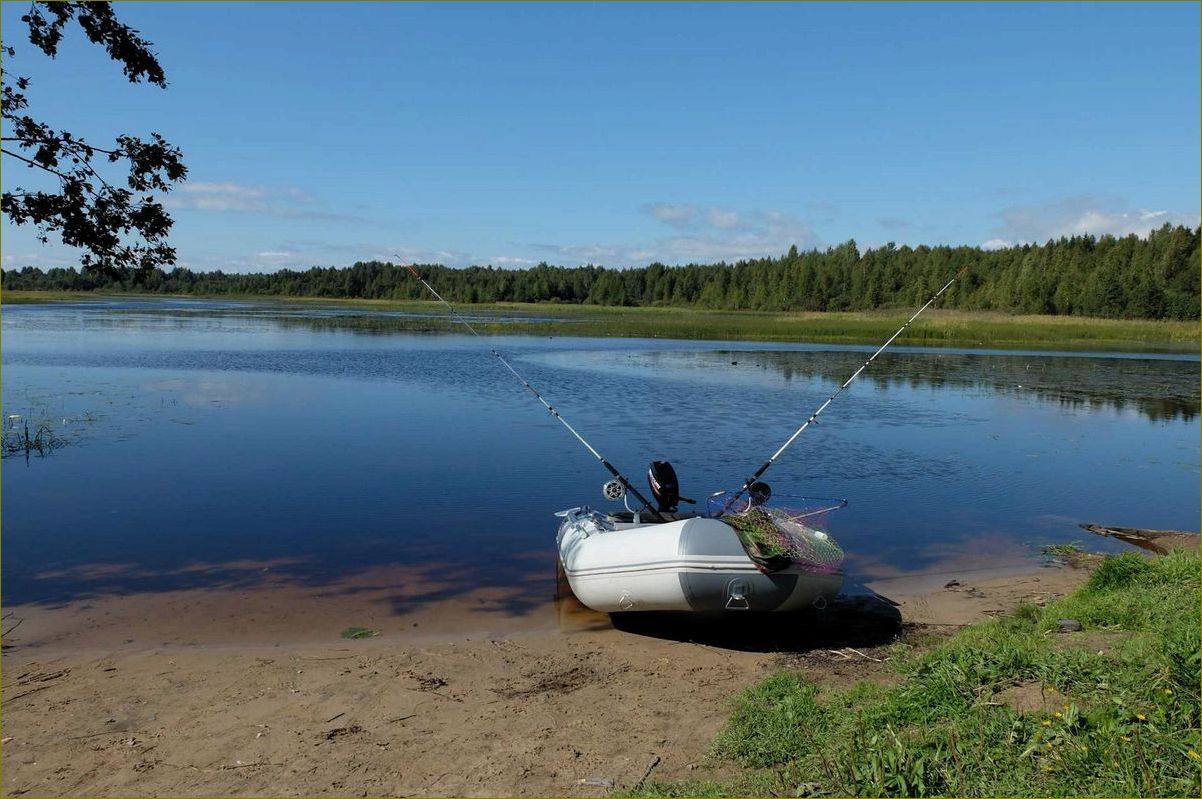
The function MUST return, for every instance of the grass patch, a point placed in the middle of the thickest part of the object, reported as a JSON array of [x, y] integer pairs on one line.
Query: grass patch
[[11, 297], [1072, 554], [1127, 723], [354, 633], [1063, 550]]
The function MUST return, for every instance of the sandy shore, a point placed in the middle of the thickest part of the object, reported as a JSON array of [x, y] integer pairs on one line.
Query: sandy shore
[[253, 692]]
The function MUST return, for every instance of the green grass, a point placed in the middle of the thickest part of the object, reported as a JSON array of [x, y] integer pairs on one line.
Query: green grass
[[355, 633], [935, 328], [1072, 548], [39, 297], [1126, 722]]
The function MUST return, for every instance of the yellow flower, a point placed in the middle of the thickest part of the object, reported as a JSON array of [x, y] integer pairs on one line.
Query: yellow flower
[[1056, 714], [1141, 717], [1047, 723], [1194, 754], [1168, 691], [1126, 737]]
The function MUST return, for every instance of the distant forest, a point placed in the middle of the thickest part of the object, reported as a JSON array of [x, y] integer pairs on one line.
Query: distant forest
[[1147, 278]]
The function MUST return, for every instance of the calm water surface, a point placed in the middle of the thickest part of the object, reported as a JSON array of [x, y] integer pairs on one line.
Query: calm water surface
[[230, 434]]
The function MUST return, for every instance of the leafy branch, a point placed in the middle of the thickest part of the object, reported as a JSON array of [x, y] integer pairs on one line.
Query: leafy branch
[[122, 229]]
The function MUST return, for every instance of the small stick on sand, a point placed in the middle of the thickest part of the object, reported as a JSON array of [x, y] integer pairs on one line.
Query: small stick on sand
[[870, 657], [647, 773]]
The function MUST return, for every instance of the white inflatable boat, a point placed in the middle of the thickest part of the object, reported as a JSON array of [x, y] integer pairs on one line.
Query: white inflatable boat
[[617, 562], [742, 554]]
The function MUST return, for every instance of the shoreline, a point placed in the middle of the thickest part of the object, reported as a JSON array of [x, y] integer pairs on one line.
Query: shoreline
[[449, 700], [937, 329]]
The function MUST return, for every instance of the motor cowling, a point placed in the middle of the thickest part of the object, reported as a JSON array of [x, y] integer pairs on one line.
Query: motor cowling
[[665, 487]]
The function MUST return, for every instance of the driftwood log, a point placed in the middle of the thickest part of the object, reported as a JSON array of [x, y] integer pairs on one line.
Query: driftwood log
[[1159, 541]]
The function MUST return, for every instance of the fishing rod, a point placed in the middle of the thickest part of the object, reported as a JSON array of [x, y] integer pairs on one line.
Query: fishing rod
[[768, 463], [550, 408]]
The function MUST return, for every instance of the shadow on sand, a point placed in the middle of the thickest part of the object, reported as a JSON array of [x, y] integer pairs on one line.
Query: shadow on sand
[[849, 621]]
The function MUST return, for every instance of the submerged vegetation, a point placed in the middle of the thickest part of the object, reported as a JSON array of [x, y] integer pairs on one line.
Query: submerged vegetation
[[16, 439], [1156, 277], [41, 430], [1008, 708]]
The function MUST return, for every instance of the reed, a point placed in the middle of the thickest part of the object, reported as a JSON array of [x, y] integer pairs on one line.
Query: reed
[[17, 439]]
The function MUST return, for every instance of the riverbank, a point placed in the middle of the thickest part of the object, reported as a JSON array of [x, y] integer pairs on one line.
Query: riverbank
[[253, 692], [936, 327], [1095, 694]]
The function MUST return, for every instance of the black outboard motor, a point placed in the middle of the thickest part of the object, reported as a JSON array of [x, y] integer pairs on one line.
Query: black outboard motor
[[665, 487]]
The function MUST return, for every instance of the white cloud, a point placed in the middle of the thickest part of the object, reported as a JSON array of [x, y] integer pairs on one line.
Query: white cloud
[[679, 216], [288, 202], [723, 220], [1076, 216], [217, 197], [303, 254], [695, 217], [510, 262], [277, 258], [706, 235], [996, 244], [50, 257]]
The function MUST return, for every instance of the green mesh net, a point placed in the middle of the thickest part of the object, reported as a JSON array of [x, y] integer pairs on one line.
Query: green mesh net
[[783, 533]]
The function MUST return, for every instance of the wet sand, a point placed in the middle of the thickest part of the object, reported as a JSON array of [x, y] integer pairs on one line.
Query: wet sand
[[252, 691]]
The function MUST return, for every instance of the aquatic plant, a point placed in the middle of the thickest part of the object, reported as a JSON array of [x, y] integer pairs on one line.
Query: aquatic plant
[[17, 440]]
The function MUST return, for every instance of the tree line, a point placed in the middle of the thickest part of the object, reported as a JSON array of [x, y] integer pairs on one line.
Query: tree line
[[1153, 277]]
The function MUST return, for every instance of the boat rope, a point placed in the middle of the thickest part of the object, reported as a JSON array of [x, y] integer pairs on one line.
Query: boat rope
[[813, 416], [550, 408]]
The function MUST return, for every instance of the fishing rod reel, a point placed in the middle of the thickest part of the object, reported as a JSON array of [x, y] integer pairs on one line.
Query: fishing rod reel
[[613, 490]]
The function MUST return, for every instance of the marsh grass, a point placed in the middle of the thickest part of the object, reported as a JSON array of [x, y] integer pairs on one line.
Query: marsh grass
[[934, 328], [38, 297], [1128, 724]]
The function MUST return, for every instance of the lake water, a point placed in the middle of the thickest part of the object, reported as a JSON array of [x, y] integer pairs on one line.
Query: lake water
[[228, 434]]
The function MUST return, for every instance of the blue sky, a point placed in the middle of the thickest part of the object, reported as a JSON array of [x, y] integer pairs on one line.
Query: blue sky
[[619, 134]]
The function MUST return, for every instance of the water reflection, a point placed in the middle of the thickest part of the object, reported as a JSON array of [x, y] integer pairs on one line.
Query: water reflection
[[1160, 389]]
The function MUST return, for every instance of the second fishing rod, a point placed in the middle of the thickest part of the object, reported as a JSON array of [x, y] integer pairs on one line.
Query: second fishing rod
[[550, 408], [750, 481]]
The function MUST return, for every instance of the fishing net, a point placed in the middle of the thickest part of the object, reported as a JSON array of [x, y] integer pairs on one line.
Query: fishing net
[[783, 532]]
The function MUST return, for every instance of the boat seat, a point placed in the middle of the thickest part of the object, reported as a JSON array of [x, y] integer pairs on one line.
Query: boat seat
[[626, 517]]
